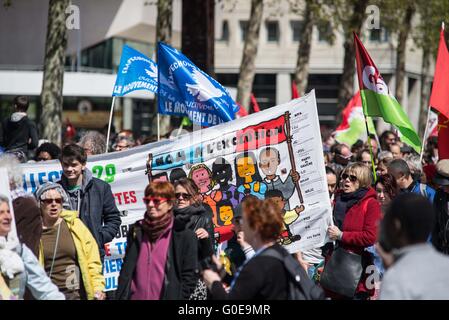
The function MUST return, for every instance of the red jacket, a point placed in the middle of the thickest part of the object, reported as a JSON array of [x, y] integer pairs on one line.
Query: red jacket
[[359, 228]]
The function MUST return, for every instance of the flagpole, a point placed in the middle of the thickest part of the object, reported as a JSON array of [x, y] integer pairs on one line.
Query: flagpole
[[158, 128], [424, 137], [370, 147], [110, 122]]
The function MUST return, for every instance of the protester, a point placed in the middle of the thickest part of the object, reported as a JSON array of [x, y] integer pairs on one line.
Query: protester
[[384, 159], [261, 277], [332, 184], [93, 142], [356, 215], [387, 138], [26, 212], [90, 196], [364, 157], [160, 260], [341, 157], [19, 267], [418, 272], [357, 147], [404, 179], [386, 189], [413, 162], [395, 150], [124, 143], [374, 145], [190, 213], [68, 251], [19, 133], [47, 151], [440, 234]]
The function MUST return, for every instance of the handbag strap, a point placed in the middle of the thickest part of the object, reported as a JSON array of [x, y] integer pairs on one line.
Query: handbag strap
[[55, 249]]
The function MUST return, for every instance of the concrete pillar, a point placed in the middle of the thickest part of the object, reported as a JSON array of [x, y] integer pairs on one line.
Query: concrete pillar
[[283, 88], [127, 113]]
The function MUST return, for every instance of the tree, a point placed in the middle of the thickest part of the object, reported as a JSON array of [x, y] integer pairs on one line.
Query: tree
[[247, 66], [164, 34], [350, 14], [53, 78]]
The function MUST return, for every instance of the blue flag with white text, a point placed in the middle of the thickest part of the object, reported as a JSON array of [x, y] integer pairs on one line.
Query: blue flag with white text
[[136, 72], [185, 90]]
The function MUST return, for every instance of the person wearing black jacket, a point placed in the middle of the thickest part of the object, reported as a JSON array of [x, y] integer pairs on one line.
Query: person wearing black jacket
[[19, 133], [440, 234], [90, 196], [161, 256], [261, 277], [191, 214]]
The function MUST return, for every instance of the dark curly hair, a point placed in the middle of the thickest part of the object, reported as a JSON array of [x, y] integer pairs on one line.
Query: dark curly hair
[[52, 149], [390, 185]]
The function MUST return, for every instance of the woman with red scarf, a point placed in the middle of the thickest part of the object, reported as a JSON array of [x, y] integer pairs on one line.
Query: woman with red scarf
[[161, 257]]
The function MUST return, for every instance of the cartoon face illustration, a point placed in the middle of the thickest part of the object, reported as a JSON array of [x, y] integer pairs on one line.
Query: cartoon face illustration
[[221, 171], [269, 161], [245, 167], [202, 179], [226, 215]]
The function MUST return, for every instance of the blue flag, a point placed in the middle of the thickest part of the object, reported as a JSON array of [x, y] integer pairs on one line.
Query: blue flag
[[185, 90], [136, 72]]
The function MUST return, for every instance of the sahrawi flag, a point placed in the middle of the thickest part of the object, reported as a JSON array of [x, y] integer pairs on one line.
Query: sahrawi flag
[[352, 126], [185, 90], [377, 100], [136, 72]]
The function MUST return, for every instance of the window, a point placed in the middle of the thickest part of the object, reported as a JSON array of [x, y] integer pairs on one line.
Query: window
[[243, 29], [272, 31], [379, 35], [324, 32], [225, 31], [296, 26]]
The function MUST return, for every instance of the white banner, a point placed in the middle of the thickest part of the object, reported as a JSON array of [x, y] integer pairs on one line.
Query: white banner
[[291, 131]]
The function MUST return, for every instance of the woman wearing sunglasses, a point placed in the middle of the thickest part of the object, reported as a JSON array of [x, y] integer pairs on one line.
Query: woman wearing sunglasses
[[190, 213], [356, 216], [161, 257], [68, 251]]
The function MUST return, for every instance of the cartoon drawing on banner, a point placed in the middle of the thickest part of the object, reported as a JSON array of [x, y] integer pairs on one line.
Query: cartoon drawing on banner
[[222, 175], [269, 162], [225, 212], [249, 180], [289, 216]]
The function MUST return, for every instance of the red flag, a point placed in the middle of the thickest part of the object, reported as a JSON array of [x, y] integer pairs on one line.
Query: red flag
[[439, 99], [254, 102], [443, 137], [295, 93]]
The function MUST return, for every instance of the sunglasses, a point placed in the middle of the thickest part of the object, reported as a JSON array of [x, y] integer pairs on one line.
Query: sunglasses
[[182, 195], [50, 201], [352, 178], [156, 201]]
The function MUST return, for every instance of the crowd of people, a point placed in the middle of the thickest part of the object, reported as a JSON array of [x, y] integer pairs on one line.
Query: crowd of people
[[389, 238]]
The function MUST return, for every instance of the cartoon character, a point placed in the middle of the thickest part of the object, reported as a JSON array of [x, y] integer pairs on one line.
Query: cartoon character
[[289, 216], [249, 180], [202, 176], [269, 161], [222, 174], [177, 174], [225, 212]]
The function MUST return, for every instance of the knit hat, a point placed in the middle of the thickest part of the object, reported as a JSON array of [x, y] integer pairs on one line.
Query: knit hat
[[52, 186]]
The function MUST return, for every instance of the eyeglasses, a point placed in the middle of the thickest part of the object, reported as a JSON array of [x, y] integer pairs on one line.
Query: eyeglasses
[[351, 177], [50, 201], [156, 201], [182, 195]]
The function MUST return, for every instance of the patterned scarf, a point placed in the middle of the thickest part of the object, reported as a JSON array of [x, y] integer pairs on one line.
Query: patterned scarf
[[155, 227]]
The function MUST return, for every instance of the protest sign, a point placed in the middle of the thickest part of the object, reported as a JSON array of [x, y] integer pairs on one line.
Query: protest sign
[[273, 153]]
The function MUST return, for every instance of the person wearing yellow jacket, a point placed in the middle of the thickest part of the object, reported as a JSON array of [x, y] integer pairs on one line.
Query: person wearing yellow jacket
[[68, 251]]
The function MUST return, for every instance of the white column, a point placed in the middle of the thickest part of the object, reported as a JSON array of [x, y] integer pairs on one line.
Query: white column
[[283, 88], [127, 113]]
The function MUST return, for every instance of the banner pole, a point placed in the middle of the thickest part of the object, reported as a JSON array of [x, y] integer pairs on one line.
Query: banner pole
[[110, 123], [424, 137], [158, 128], [370, 148]]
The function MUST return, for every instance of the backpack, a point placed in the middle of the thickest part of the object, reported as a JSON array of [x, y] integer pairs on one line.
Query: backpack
[[300, 286]]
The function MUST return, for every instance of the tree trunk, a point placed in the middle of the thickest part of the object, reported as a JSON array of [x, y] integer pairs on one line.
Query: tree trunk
[[400, 52], [164, 34], [302, 62], [346, 90], [52, 83], [247, 67], [425, 91]]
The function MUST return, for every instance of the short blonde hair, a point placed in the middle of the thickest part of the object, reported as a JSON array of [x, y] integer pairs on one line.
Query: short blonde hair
[[362, 172]]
